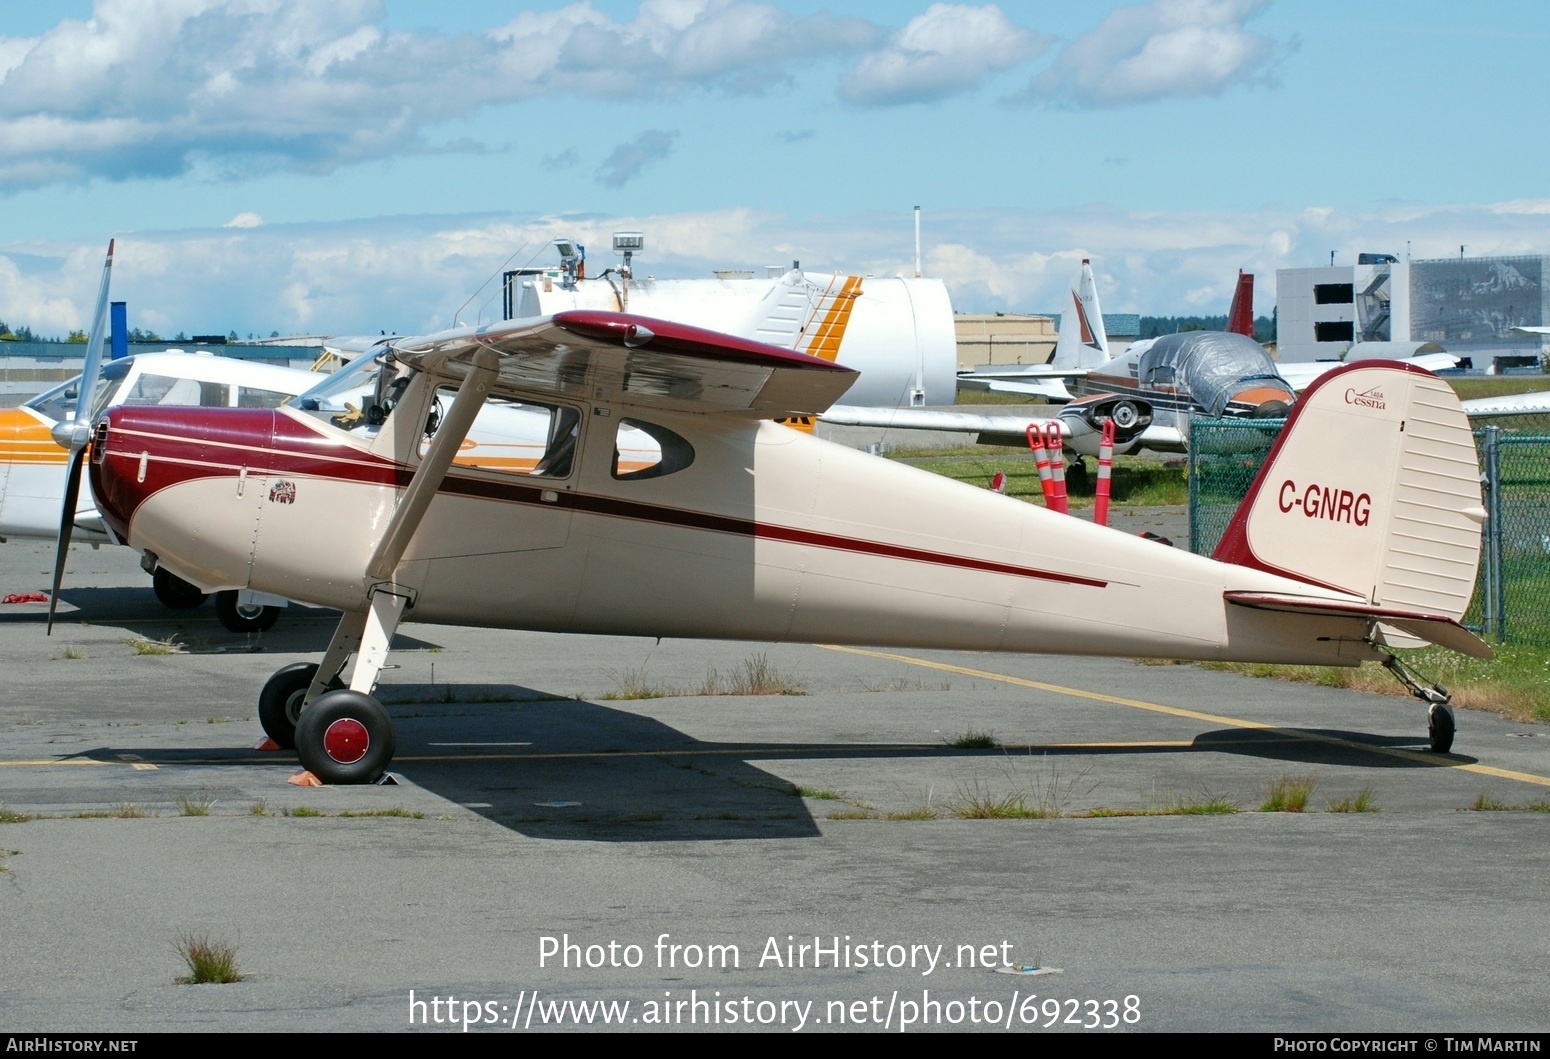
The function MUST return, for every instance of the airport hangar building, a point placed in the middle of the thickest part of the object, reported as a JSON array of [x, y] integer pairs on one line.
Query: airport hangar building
[[1467, 306]]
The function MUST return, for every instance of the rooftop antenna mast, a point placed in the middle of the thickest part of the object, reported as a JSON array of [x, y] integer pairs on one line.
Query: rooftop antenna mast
[[627, 243], [917, 242]]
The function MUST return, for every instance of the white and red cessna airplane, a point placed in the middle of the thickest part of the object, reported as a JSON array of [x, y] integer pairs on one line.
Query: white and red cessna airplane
[[594, 472]]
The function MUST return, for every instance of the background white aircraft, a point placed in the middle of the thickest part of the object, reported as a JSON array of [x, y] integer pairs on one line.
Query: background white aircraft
[[34, 468]]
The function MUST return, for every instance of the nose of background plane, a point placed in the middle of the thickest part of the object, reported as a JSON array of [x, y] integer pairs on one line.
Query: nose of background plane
[[1269, 403]]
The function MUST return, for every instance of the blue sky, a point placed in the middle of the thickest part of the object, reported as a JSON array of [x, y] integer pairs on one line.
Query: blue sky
[[367, 164]]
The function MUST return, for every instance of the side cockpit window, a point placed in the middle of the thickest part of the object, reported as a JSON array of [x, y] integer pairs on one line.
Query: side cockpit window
[[646, 450], [517, 437]]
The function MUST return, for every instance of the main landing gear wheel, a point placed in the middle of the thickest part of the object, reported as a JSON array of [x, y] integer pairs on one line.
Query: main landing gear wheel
[[279, 704], [174, 592], [244, 617], [1440, 727], [345, 737], [1125, 415]]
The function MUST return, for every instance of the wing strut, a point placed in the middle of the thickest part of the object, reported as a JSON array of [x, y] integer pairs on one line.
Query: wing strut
[[369, 635], [433, 468]]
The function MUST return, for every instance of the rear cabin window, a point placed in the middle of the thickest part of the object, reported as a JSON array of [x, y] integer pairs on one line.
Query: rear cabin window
[[165, 390], [646, 450], [252, 397]]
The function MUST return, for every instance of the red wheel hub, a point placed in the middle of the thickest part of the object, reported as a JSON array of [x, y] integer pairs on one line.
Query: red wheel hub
[[346, 741]]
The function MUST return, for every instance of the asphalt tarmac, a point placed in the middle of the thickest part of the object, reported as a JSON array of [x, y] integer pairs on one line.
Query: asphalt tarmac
[[558, 857]]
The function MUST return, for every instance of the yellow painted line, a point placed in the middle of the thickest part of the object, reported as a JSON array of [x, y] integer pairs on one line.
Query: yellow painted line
[[1415, 756]]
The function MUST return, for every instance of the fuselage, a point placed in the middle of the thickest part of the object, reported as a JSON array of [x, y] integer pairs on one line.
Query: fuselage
[[660, 523]]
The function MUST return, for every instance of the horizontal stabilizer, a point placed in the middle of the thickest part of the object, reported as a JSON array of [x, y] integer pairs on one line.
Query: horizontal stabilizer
[[1433, 628]]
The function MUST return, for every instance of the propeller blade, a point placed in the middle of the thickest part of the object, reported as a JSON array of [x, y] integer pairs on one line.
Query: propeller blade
[[66, 527], [99, 331], [76, 434]]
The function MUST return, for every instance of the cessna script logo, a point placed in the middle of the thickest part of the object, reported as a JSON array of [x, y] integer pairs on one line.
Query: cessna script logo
[[1372, 398], [1326, 502]]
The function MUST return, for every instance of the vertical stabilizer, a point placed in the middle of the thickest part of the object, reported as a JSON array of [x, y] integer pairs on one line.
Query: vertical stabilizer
[[1240, 318], [1372, 489], [799, 314], [1082, 342]]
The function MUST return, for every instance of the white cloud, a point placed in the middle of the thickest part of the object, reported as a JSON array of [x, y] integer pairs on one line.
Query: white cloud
[[152, 87], [948, 49], [628, 159], [245, 219], [413, 274], [1167, 48]]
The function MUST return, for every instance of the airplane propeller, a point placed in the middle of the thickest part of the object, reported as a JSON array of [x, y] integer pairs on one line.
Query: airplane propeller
[[74, 433]]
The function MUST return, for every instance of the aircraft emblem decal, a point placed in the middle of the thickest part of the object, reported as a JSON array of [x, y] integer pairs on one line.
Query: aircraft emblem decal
[[282, 492]]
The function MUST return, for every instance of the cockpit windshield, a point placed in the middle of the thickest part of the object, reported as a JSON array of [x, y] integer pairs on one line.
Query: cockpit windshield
[[59, 403], [359, 397]]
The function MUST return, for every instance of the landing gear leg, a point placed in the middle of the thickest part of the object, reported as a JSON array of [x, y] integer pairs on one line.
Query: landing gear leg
[[1440, 721], [345, 736]]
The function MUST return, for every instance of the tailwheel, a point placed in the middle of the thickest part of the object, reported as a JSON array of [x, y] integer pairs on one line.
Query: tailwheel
[[279, 704], [1440, 722], [174, 592], [1440, 726], [345, 737], [241, 617]]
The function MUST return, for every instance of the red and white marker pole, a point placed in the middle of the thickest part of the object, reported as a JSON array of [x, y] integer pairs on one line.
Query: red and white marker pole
[[998, 483], [1057, 469], [1105, 472], [1041, 461]]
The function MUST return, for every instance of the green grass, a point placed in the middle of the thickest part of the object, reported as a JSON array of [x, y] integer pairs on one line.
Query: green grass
[[752, 676], [919, 812], [973, 739], [820, 794], [1137, 481], [852, 814], [11, 816], [259, 807], [73, 653], [975, 804], [1362, 801], [142, 646], [189, 805], [1515, 684], [395, 811], [1489, 803], [209, 962], [1289, 794], [304, 811]]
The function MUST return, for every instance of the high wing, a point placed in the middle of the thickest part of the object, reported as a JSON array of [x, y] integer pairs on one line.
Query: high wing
[[1517, 404], [1301, 374], [638, 361]]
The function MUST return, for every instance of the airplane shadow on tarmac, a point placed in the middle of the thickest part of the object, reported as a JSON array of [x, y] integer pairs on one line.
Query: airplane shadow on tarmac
[[570, 769]]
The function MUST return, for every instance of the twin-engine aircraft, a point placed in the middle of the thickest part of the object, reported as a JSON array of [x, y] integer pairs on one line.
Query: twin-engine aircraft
[[627, 479]]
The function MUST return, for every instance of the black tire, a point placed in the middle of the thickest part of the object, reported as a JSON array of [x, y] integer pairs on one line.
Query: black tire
[[345, 737], [1440, 728], [174, 592], [238, 618], [279, 704]]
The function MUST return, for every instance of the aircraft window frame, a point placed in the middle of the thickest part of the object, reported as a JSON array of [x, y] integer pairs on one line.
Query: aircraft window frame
[[676, 453]]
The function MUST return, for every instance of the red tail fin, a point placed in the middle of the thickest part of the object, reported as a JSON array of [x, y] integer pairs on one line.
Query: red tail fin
[[1240, 318]]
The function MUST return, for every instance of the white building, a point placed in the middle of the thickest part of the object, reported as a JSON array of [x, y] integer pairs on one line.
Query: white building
[[1469, 306]]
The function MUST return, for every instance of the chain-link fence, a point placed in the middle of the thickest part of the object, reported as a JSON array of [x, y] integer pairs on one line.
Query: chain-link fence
[[1512, 592]]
